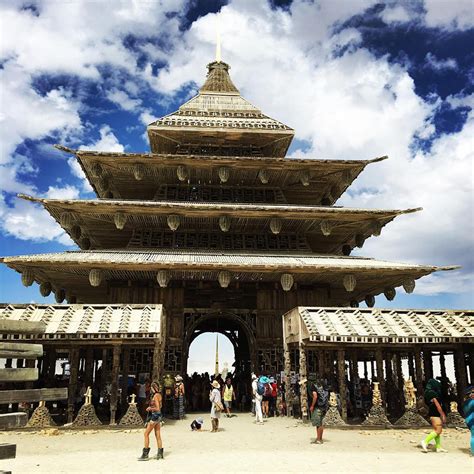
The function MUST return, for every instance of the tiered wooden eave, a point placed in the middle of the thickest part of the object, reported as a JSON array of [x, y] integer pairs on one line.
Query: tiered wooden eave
[[100, 224], [191, 177], [87, 275]]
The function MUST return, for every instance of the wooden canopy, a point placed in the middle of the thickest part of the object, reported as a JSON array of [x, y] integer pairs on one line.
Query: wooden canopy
[[322, 229], [85, 274], [195, 177], [377, 326], [88, 322]]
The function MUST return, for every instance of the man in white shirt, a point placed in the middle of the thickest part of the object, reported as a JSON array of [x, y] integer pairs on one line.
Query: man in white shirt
[[258, 400]]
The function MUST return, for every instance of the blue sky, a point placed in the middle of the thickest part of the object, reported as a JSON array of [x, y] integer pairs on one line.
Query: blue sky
[[355, 79]]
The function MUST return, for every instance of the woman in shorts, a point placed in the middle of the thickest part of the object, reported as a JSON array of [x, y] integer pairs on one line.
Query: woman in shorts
[[153, 423]]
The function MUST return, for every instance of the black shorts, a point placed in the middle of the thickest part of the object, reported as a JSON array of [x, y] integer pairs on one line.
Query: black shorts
[[266, 399]]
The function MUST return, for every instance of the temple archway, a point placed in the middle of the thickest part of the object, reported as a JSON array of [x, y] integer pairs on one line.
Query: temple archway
[[238, 328]]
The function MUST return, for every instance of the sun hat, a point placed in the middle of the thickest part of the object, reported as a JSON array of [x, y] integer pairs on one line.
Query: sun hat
[[178, 378], [200, 421], [215, 384]]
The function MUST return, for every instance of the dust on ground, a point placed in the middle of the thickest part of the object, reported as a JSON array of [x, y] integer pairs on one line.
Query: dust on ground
[[280, 445]]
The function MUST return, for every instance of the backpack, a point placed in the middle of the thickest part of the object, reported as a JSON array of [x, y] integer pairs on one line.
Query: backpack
[[260, 388], [323, 396], [267, 391]]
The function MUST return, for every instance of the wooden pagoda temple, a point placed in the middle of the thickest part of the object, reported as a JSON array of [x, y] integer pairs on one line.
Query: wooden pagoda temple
[[213, 230]]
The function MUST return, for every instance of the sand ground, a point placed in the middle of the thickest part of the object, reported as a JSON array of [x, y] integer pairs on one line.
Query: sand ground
[[280, 445]]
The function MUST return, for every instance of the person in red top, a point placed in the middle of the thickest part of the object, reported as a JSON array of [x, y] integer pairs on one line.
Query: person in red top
[[273, 400]]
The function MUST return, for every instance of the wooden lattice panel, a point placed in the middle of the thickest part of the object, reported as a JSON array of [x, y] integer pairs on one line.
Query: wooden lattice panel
[[147, 238]]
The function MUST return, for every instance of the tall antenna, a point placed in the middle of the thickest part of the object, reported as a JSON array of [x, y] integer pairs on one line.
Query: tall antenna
[[218, 39]]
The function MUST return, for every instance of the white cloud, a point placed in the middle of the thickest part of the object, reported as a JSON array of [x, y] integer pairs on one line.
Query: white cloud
[[123, 100], [449, 14], [27, 221], [66, 192], [396, 14], [106, 142], [440, 64]]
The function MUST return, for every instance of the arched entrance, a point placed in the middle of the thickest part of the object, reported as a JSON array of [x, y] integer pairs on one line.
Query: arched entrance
[[239, 328]]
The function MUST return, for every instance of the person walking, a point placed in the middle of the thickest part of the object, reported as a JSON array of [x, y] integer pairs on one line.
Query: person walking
[[228, 395], [468, 409], [318, 408], [258, 400], [436, 414], [153, 423], [216, 405]]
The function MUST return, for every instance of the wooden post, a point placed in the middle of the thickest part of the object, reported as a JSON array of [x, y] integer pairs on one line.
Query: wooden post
[[341, 372], [73, 374], [103, 374], [372, 369], [411, 367], [418, 372], [125, 374], [460, 372], [380, 375], [114, 384], [157, 360], [354, 374], [303, 376], [50, 369], [366, 371], [428, 364], [89, 367]]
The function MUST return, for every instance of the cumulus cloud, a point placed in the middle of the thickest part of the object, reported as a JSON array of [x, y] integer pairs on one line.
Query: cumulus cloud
[[123, 100], [449, 14], [395, 14]]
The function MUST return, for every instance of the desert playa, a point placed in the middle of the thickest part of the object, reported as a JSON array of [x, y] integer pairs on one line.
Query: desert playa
[[280, 445]]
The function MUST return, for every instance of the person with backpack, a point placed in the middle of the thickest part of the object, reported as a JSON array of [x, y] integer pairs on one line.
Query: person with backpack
[[266, 392], [257, 391], [319, 396]]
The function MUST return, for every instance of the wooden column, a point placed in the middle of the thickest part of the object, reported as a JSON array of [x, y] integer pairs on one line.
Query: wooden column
[[125, 374], [372, 369], [411, 367], [380, 375], [397, 358], [418, 372], [366, 371], [103, 375], [341, 373], [303, 386], [157, 360], [460, 372], [89, 367], [73, 375], [114, 384], [428, 364]]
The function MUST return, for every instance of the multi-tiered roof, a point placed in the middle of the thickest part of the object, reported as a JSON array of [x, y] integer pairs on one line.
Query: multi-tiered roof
[[216, 200]]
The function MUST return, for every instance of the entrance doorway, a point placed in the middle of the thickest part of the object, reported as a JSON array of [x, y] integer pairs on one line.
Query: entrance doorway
[[235, 333]]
